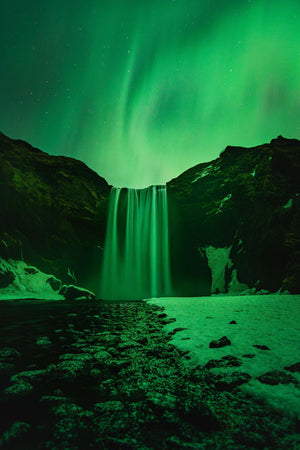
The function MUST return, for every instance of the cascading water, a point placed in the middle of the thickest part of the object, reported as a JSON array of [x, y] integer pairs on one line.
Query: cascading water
[[136, 251]]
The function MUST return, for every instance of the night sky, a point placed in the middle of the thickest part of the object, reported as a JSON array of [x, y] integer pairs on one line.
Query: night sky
[[142, 90]]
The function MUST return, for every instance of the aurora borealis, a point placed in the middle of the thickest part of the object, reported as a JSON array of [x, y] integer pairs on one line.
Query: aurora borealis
[[140, 90]]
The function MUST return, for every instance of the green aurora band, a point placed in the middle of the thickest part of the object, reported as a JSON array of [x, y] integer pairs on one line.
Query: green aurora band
[[142, 90]]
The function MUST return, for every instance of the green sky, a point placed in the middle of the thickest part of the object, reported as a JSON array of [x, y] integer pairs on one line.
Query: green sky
[[141, 90]]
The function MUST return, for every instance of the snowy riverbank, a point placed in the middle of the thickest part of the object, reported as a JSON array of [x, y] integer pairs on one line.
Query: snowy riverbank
[[93, 374], [270, 321]]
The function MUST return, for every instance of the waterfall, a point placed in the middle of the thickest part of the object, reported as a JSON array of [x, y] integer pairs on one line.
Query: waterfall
[[136, 251]]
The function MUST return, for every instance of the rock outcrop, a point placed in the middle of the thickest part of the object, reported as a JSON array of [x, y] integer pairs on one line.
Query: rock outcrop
[[247, 203], [53, 212]]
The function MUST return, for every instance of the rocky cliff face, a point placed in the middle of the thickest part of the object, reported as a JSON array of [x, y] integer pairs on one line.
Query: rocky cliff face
[[234, 220], [53, 211], [243, 206]]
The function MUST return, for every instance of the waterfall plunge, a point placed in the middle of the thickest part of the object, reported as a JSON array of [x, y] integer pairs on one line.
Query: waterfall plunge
[[136, 252]]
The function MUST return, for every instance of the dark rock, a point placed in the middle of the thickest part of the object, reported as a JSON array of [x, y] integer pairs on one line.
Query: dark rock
[[213, 363], [127, 345], [6, 367], [233, 322], [30, 270], [72, 292], [203, 418], [14, 434], [20, 388], [261, 347], [171, 333], [230, 381], [8, 353], [76, 357], [69, 369], [44, 340], [220, 342], [167, 321], [7, 276], [54, 283], [226, 361], [293, 368], [3, 250], [8, 357], [232, 361], [277, 377], [162, 316]]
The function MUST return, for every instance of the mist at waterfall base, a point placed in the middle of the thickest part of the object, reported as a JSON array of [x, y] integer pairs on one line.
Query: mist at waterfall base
[[136, 252], [155, 86]]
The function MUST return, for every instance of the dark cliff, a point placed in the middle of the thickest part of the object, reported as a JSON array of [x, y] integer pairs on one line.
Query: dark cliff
[[247, 199], [53, 211]]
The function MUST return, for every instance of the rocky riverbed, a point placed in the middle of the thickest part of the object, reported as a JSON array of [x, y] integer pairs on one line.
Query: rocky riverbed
[[100, 375]]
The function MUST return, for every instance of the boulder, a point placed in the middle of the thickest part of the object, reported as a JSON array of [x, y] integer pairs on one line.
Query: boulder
[[277, 377], [261, 347], [293, 368], [222, 342], [230, 381], [72, 292]]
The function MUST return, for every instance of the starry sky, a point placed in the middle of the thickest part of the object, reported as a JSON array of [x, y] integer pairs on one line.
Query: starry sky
[[142, 90]]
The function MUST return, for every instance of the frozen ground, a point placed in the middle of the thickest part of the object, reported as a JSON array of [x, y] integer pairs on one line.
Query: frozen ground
[[269, 320]]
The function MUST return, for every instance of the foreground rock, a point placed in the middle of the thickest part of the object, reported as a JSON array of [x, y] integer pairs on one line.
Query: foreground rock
[[220, 342], [277, 377]]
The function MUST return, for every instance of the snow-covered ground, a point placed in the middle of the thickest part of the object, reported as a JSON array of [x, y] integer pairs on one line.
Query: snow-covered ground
[[270, 320]]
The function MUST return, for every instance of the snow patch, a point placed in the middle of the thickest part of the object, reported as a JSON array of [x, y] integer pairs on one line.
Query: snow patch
[[235, 287], [206, 171], [241, 247], [218, 260], [222, 203], [269, 320], [203, 174], [289, 204]]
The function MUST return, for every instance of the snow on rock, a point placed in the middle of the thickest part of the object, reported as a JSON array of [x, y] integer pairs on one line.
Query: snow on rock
[[72, 292], [222, 203], [218, 261], [234, 286], [26, 282], [289, 204], [270, 321], [203, 174]]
